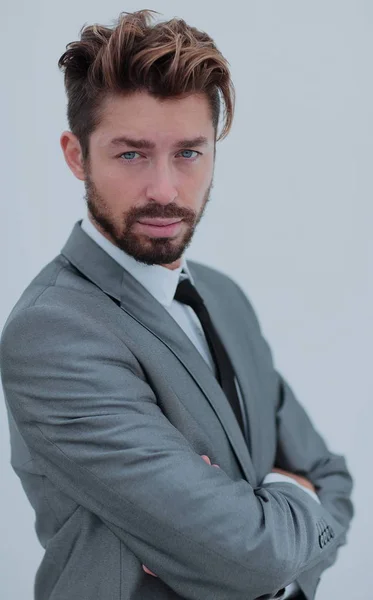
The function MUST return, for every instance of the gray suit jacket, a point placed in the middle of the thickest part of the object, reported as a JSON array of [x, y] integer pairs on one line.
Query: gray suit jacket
[[110, 407]]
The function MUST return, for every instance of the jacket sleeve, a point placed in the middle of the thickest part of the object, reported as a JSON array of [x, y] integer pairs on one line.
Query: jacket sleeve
[[302, 450], [92, 423]]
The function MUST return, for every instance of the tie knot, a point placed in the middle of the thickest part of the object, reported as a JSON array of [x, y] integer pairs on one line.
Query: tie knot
[[187, 294]]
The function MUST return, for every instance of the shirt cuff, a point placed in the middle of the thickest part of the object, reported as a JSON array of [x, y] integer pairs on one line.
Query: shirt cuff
[[280, 478]]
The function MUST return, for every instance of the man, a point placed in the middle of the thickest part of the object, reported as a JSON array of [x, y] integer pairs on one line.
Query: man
[[129, 372]]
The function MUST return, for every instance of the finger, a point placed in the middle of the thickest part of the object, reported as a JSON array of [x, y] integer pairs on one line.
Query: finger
[[214, 465], [206, 459], [148, 571]]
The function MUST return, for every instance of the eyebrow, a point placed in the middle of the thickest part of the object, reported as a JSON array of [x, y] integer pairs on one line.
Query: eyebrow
[[147, 144]]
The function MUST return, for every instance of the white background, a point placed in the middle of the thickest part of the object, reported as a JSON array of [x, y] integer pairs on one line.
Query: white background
[[290, 217]]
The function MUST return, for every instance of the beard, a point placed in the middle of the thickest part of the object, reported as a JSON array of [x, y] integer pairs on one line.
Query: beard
[[144, 248]]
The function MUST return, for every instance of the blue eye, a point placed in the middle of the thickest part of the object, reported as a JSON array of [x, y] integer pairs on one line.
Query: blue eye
[[129, 158], [183, 152]]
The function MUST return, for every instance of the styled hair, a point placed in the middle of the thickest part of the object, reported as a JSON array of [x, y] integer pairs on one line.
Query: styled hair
[[166, 59]]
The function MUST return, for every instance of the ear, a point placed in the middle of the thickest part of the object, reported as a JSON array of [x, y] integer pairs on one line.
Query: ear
[[73, 154]]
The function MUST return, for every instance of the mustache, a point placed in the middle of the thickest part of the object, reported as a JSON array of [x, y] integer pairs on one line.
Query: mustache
[[165, 212]]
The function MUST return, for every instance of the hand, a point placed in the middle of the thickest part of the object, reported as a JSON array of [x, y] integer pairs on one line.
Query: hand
[[302, 480], [206, 459]]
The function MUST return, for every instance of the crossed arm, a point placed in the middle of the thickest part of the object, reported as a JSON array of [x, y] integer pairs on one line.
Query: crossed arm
[[94, 427], [300, 480]]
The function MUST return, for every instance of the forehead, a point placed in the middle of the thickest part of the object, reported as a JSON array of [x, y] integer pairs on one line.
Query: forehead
[[140, 115]]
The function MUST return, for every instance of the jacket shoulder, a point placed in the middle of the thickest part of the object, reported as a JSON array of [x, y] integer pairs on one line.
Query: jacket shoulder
[[59, 278]]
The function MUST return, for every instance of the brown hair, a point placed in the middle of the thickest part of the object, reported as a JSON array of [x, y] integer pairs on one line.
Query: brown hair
[[166, 59]]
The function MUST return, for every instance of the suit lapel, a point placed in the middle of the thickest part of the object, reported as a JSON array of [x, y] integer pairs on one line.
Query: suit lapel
[[134, 299]]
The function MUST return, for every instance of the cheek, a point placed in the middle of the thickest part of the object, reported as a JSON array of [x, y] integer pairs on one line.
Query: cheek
[[117, 183], [197, 179]]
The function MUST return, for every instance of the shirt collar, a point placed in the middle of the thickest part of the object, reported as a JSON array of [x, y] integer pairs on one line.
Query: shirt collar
[[160, 281]]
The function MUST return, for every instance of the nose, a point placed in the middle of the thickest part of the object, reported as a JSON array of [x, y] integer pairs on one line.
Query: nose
[[161, 186]]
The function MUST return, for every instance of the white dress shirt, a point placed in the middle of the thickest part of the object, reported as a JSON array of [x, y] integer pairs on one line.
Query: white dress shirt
[[162, 282]]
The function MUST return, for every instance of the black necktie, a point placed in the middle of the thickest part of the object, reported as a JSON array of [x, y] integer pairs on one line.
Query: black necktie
[[187, 294]]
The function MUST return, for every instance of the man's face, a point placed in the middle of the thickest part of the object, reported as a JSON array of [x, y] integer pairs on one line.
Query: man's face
[[162, 169]]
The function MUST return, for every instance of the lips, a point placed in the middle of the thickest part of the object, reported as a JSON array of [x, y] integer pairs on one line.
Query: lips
[[159, 222], [159, 228]]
